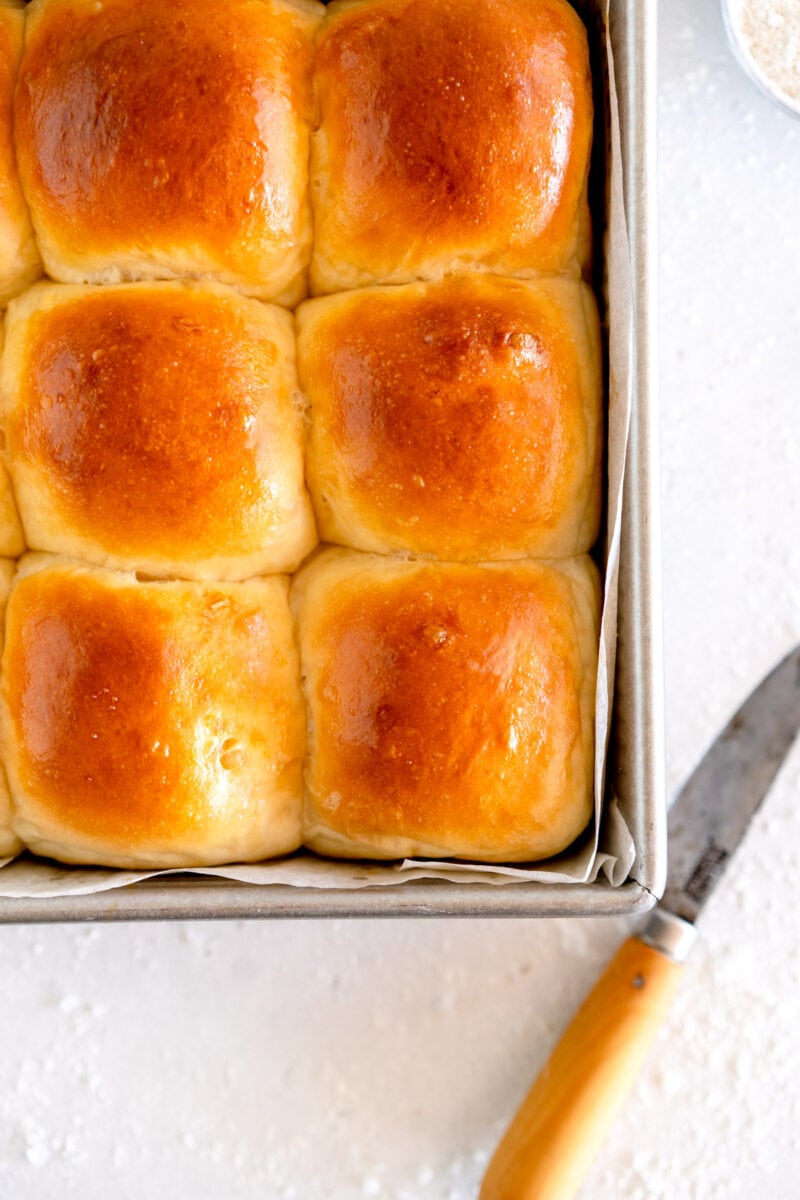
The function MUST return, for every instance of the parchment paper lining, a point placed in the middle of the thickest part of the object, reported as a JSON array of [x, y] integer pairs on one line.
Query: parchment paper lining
[[27, 877]]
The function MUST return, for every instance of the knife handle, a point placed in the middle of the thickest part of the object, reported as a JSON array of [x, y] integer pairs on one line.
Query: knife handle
[[550, 1144]]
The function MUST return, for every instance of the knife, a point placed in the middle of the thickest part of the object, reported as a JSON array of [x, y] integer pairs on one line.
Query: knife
[[554, 1136]]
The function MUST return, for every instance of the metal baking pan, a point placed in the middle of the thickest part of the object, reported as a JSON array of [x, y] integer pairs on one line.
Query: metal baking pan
[[636, 773]]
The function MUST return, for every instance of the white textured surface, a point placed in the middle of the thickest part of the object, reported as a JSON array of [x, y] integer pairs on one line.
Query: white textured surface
[[316, 1061]]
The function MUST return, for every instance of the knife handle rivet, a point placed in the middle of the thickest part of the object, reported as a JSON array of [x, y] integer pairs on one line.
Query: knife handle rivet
[[638, 981]]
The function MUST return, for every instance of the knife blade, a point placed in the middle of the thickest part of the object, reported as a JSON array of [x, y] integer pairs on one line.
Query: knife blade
[[713, 810], [552, 1140]]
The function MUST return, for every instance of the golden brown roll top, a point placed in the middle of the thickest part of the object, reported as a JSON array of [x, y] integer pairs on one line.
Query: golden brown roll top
[[9, 842], [159, 140], [19, 257], [451, 706], [155, 426], [151, 724], [451, 135], [460, 419]]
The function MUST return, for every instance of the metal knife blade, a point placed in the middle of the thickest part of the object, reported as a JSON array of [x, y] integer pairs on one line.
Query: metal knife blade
[[714, 808], [711, 814]]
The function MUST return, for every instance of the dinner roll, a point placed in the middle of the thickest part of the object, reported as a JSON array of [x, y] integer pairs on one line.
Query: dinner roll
[[150, 724], [155, 426], [19, 258], [9, 842], [458, 419], [450, 136], [159, 140], [450, 705]]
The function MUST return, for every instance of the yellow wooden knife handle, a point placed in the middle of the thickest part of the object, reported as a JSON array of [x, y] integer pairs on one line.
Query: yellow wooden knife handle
[[552, 1140]]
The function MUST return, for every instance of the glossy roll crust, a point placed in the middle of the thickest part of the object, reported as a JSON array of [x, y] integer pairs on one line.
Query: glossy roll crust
[[157, 140], [155, 426], [460, 419], [151, 724], [451, 135], [451, 706], [9, 842], [19, 258]]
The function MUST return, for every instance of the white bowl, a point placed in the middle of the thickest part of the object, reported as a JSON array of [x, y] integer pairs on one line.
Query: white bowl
[[730, 10]]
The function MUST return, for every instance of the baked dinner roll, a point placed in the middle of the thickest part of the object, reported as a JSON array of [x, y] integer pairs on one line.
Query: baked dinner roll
[[19, 258], [451, 706], [460, 419], [150, 724], [9, 842], [158, 140], [155, 426], [450, 136]]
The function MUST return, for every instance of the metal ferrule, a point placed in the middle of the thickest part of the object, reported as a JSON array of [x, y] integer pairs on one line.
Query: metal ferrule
[[669, 934]]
